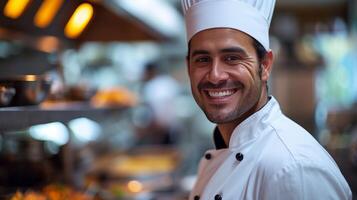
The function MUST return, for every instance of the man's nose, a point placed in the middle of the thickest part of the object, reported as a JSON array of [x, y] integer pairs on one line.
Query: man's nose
[[217, 73]]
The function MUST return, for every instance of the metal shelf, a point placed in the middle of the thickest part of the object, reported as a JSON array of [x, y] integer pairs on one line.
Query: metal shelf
[[17, 118]]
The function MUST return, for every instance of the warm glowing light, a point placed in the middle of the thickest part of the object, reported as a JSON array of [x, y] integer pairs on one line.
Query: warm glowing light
[[79, 20], [30, 78], [46, 12], [14, 8], [48, 44], [135, 186]]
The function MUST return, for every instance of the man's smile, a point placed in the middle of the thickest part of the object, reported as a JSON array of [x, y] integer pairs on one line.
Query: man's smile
[[220, 93]]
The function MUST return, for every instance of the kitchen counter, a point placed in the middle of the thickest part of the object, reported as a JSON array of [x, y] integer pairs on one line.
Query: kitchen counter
[[16, 118]]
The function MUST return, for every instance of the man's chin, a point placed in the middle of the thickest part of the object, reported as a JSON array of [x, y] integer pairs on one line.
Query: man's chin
[[219, 119]]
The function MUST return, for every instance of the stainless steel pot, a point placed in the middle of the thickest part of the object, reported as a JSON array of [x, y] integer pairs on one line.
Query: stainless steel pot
[[6, 95], [25, 89]]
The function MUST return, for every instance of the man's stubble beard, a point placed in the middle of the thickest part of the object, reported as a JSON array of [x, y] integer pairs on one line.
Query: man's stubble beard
[[236, 115]]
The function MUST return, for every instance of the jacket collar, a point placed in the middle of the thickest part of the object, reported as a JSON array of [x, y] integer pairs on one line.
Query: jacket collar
[[251, 127]]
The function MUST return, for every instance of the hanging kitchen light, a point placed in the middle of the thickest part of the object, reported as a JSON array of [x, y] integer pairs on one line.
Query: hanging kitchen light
[[14, 8], [79, 20], [46, 12]]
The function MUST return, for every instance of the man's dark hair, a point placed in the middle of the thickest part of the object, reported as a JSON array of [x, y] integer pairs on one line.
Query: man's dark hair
[[261, 52]]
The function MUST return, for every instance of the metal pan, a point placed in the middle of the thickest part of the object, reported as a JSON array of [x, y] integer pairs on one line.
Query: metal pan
[[24, 89], [6, 95]]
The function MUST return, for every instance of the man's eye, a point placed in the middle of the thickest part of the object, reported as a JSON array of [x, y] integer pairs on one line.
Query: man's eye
[[232, 58], [202, 59]]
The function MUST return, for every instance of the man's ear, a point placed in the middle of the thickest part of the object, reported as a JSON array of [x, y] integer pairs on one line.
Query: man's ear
[[267, 65]]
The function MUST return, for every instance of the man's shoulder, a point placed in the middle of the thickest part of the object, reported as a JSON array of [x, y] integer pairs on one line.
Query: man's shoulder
[[295, 140], [288, 144], [289, 158]]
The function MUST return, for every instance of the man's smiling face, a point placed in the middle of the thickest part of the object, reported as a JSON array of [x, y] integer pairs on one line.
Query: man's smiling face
[[224, 72]]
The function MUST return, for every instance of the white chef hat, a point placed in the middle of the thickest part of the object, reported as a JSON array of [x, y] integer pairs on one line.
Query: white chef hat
[[252, 17]]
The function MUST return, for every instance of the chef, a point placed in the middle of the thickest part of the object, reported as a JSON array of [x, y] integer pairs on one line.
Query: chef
[[260, 153]]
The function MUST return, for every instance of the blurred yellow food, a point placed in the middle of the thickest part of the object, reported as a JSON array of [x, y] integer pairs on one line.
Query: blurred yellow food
[[144, 164], [113, 97]]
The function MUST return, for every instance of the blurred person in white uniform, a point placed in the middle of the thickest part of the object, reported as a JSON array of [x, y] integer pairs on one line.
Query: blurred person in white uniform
[[260, 153], [159, 92]]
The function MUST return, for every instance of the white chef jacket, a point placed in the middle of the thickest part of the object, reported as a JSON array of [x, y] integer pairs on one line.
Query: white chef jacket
[[270, 157]]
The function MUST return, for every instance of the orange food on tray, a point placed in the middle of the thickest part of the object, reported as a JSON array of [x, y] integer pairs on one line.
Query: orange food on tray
[[29, 195], [52, 192], [114, 97]]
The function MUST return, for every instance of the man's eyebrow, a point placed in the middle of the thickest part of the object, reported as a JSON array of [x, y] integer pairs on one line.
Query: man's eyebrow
[[234, 50], [199, 52], [225, 50]]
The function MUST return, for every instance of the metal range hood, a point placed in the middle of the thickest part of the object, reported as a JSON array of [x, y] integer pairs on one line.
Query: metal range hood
[[113, 20]]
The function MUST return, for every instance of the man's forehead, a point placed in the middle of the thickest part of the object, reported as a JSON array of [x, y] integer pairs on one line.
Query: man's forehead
[[219, 39]]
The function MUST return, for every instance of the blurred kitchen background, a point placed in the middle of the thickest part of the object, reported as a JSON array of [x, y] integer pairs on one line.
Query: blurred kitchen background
[[96, 103]]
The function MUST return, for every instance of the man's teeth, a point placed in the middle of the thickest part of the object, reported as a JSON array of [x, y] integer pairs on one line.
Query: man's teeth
[[221, 93]]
